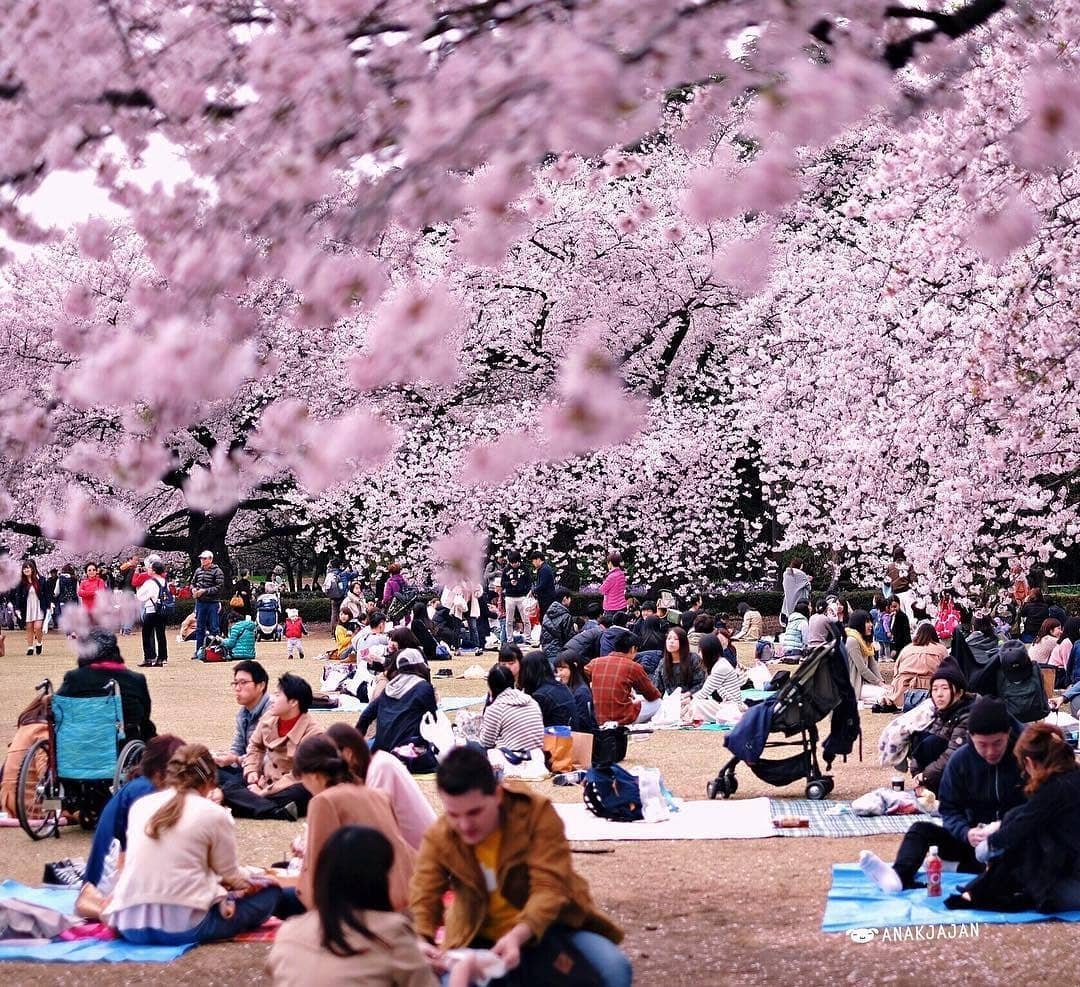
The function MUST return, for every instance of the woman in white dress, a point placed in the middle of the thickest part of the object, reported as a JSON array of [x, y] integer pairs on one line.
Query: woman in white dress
[[31, 603]]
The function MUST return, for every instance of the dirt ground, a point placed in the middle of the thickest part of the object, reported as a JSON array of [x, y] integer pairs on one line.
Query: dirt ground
[[695, 912]]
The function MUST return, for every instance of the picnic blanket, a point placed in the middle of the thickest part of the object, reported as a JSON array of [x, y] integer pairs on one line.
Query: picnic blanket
[[350, 704], [855, 902], [744, 819], [93, 948], [822, 823]]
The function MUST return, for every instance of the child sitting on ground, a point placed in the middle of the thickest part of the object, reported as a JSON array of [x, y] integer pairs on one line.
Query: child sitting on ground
[[294, 633]]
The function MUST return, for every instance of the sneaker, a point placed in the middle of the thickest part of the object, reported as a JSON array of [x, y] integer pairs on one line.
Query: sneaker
[[147, 664], [39, 649], [65, 873], [29, 651], [290, 812], [569, 778], [880, 873]]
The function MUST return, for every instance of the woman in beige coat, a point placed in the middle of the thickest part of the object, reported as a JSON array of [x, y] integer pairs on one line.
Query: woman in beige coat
[[353, 936], [341, 799], [916, 663]]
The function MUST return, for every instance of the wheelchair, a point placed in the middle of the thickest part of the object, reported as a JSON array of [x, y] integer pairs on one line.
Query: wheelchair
[[78, 766]]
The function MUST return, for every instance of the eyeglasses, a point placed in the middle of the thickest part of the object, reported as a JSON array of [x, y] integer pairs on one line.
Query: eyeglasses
[[237, 682]]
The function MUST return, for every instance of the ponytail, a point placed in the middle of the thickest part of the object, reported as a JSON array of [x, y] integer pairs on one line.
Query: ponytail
[[190, 769]]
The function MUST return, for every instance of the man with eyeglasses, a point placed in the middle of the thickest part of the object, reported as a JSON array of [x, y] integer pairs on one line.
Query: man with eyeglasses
[[250, 684]]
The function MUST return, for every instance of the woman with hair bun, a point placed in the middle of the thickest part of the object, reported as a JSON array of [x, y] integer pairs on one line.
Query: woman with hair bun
[[181, 850], [340, 798]]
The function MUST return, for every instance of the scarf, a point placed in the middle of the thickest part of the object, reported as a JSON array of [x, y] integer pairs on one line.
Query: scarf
[[867, 647]]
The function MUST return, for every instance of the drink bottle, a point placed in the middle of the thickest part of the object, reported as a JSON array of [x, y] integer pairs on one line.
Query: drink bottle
[[933, 874]]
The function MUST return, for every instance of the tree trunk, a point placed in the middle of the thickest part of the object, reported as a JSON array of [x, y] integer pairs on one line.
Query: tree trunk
[[207, 532]]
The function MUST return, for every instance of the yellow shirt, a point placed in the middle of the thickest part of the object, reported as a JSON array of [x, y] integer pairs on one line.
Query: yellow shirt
[[501, 915]]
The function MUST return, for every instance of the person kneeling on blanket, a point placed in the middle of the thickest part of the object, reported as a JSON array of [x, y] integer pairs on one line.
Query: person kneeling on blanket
[[503, 850], [982, 781], [181, 856]]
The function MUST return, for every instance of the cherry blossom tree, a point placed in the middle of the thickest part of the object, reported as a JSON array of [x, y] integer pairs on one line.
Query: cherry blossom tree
[[664, 239]]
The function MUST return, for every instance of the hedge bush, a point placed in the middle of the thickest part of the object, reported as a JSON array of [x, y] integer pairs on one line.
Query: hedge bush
[[312, 609]]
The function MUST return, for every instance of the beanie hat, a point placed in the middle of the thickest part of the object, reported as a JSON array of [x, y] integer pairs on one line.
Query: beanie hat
[[988, 715], [1015, 661], [950, 672]]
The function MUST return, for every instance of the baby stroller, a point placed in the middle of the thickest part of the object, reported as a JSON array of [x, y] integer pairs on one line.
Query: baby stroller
[[268, 617], [804, 698]]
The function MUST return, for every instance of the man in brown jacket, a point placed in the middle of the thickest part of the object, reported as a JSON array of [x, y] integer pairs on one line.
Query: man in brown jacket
[[268, 789], [503, 851]]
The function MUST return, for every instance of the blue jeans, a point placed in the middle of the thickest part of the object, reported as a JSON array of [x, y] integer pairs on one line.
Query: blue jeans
[[206, 620], [611, 964], [250, 913]]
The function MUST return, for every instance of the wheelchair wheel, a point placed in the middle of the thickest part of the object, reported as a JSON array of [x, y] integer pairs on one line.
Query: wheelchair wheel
[[130, 755], [39, 796]]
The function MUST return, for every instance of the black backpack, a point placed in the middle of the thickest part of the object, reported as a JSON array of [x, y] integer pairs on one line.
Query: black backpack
[[611, 792]]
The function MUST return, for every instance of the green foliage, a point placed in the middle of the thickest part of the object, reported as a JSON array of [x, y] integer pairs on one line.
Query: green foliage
[[313, 609]]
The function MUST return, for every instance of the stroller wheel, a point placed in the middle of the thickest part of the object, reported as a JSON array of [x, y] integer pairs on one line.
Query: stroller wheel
[[830, 784], [724, 784], [818, 789]]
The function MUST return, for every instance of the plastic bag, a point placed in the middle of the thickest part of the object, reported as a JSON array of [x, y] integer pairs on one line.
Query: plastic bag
[[670, 712]]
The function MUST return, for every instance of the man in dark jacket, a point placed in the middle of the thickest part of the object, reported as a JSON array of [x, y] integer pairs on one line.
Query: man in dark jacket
[[586, 644], [206, 586], [544, 584], [982, 781], [100, 663], [557, 627], [516, 584]]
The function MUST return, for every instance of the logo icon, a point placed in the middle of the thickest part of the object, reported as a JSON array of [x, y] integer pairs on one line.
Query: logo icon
[[862, 935]]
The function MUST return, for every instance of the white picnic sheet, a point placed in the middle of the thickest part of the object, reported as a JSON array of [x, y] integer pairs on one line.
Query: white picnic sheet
[[740, 819]]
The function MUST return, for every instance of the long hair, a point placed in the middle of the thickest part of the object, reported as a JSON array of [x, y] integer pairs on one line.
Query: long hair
[[352, 875], [573, 661], [499, 679], [535, 671], [711, 651], [190, 769], [925, 634], [1047, 627], [404, 638], [348, 738], [684, 658], [858, 621], [1045, 744], [318, 755], [34, 579]]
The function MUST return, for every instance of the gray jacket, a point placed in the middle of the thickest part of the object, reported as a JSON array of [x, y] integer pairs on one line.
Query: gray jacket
[[212, 580]]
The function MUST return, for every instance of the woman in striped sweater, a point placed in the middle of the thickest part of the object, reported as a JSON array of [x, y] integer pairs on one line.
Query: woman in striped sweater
[[512, 720], [722, 682]]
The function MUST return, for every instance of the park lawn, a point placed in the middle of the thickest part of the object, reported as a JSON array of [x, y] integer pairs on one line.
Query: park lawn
[[709, 912]]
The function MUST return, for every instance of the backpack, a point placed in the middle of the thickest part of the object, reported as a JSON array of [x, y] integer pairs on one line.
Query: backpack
[[337, 585], [166, 601], [764, 651], [611, 792], [402, 603]]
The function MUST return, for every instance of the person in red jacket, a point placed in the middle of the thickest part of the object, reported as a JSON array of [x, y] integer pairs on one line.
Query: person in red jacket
[[294, 632], [90, 586]]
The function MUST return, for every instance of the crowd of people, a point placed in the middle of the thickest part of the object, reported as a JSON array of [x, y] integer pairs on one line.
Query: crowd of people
[[373, 863]]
